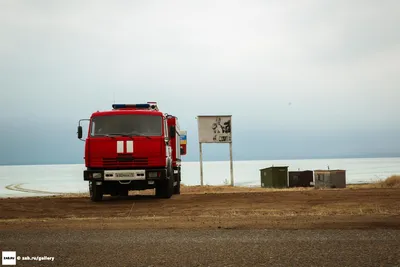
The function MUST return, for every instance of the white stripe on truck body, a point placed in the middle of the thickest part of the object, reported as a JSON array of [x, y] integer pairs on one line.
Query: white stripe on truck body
[[120, 146], [129, 146]]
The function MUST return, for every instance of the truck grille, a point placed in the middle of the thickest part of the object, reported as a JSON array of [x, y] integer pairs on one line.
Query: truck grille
[[125, 161]]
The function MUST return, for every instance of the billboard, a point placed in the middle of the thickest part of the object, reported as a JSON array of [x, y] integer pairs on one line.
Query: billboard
[[215, 129]]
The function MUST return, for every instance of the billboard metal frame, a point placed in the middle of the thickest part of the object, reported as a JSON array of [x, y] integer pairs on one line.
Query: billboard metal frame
[[223, 138]]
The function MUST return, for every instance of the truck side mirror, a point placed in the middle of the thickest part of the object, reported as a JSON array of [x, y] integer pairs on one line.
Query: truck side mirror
[[80, 133], [172, 131]]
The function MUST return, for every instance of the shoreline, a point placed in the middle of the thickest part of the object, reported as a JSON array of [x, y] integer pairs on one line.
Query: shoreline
[[185, 189]]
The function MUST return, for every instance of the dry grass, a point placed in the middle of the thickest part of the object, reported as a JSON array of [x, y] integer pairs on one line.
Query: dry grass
[[210, 189], [390, 182]]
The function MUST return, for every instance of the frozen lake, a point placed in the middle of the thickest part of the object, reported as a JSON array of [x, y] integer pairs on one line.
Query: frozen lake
[[68, 178]]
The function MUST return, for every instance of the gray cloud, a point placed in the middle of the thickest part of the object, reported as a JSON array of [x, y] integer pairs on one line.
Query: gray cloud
[[335, 61]]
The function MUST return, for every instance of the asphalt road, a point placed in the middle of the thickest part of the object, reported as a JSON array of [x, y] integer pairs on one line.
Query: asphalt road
[[206, 247]]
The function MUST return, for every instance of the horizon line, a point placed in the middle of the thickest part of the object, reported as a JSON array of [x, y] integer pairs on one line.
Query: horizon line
[[198, 161]]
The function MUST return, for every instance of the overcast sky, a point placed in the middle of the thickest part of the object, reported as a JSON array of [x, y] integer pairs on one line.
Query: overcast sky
[[307, 73]]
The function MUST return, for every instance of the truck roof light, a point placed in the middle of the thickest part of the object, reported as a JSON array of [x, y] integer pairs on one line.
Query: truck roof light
[[149, 105], [138, 106]]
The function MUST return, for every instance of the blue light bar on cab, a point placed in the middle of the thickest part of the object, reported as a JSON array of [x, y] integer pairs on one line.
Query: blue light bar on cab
[[139, 106]]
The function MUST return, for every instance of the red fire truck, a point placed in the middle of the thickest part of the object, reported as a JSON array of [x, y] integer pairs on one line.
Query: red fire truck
[[133, 147]]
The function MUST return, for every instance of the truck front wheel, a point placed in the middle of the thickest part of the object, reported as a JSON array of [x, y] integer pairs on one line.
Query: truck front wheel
[[165, 188], [96, 191], [123, 192]]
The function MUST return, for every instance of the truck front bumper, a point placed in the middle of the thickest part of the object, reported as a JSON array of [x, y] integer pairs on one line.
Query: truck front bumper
[[125, 175]]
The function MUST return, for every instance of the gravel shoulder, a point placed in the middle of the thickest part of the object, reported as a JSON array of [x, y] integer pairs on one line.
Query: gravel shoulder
[[206, 247]]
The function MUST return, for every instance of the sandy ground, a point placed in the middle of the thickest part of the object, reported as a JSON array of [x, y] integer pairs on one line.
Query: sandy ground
[[209, 208], [208, 226]]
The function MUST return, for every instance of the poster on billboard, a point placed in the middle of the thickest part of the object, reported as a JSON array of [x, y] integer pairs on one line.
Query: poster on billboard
[[215, 129]]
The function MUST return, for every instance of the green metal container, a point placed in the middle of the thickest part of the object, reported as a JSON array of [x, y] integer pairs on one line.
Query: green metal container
[[274, 177]]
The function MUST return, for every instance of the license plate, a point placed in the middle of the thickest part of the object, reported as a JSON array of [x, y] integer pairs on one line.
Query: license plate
[[124, 174]]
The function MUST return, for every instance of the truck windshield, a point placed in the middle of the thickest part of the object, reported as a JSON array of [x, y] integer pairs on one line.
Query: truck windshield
[[129, 124]]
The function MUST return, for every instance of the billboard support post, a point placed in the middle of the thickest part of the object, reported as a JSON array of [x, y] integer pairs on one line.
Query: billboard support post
[[231, 162], [201, 164], [215, 129]]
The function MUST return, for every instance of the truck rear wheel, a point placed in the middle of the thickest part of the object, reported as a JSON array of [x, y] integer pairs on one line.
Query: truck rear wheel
[[177, 188], [96, 191]]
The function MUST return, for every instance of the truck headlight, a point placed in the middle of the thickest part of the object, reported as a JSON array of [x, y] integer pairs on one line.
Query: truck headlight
[[153, 174], [96, 175]]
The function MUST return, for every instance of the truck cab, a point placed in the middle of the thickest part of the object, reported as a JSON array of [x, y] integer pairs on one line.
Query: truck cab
[[132, 147]]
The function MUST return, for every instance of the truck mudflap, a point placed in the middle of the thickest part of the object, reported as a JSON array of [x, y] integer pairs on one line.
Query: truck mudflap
[[125, 175]]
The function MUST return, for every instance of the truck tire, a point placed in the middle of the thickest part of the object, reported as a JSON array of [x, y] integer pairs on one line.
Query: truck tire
[[123, 192], [96, 191], [177, 188], [165, 188]]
